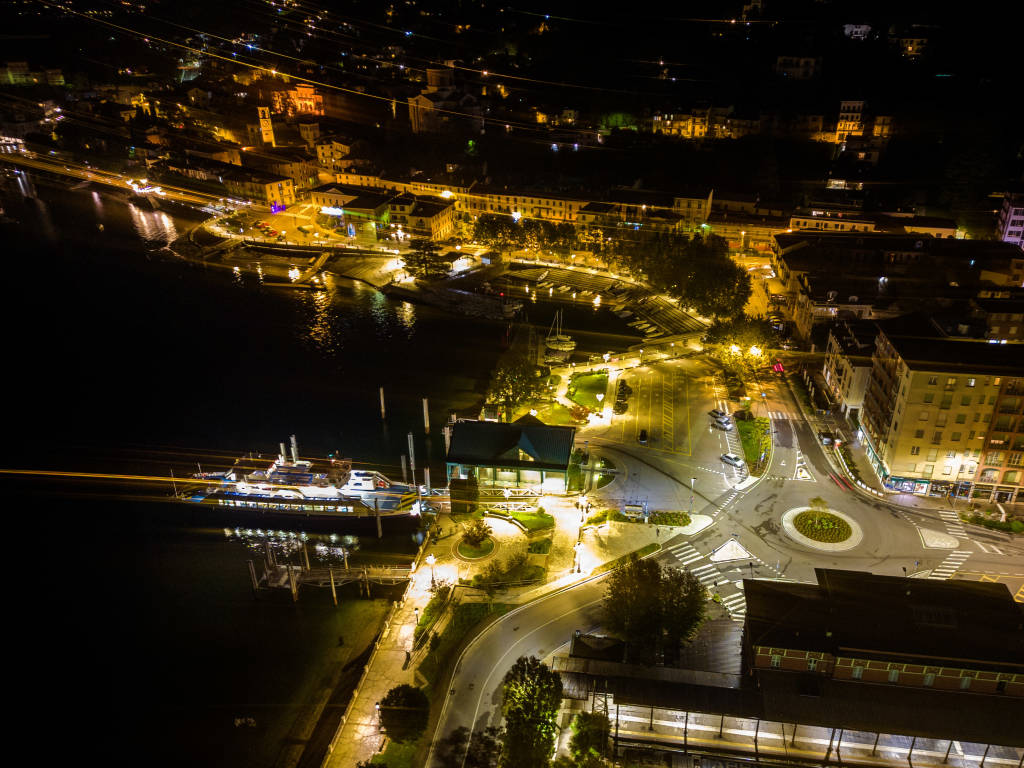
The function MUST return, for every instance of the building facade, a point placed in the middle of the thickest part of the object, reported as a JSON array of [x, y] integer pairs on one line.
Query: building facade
[[1010, 226], [945, 417]]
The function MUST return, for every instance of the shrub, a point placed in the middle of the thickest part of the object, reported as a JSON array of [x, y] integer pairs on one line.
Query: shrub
[[476, 532], [823, 526]]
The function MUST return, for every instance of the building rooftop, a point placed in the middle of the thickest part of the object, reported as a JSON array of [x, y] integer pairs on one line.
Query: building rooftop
[[945, 354], [943, 623], [521, 444]]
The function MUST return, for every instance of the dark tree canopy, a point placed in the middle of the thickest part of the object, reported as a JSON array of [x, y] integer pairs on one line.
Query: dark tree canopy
[[653, 609], [403, 712], [462, 749], [426, 261], [515, 382], [590, 732], [730, 343], [531, 697]]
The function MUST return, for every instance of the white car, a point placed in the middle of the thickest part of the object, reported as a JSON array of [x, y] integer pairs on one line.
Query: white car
[[733, 459], [723, 424]]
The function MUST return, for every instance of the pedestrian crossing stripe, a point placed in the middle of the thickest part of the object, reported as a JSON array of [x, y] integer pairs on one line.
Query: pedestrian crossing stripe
[[950, 565]]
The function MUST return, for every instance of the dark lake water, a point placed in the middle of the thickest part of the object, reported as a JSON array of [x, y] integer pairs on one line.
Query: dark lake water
[[140, 636]]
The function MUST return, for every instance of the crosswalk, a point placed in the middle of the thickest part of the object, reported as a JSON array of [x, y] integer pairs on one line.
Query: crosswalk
[[950, 565], [952, 522], [686, 555], [777, 415], [736, 605]]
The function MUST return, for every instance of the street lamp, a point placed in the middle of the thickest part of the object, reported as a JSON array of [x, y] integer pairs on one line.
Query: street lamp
[[430, 561]]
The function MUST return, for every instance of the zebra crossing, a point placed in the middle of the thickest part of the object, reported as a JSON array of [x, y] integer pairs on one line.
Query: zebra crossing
[[736, 606], [777, 415], [950, 565], [730, 497], [686, 555], [952, 522]]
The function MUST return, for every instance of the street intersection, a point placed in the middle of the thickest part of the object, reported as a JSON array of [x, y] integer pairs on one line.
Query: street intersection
[[670, 401]]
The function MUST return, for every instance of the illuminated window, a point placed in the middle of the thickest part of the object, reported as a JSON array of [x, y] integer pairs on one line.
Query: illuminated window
[[894, 675]]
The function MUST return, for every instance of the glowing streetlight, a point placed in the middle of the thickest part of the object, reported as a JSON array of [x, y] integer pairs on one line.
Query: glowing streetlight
[[430, 559], [755, 350], [734, 348]]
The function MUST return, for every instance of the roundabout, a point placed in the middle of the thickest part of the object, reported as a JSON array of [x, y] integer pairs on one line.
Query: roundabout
[[844, 531]]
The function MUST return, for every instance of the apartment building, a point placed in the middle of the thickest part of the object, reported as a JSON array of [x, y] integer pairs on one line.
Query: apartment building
[[945, 417], [278, 192], [1010, 226], [847, 366], [371, 214]]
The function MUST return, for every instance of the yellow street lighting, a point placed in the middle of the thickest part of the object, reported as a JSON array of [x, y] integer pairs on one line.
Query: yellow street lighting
[[734, 348], [755, 350]]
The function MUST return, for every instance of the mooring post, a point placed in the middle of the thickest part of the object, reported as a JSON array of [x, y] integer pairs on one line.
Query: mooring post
[[910, 754], [948, 748], [405, 476], [721, 725], [305, 555], [334, 592], [376, 512], [686, 732], [426, 478], [252, 575], [294, 586], [874, 749], [426, 417], [383, 412]]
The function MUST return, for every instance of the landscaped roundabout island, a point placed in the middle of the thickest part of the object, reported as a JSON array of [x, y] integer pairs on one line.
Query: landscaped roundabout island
[[821, 528]]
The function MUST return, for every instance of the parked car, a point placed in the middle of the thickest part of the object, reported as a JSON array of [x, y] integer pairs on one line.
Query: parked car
[[714, 413], [723, 424], [733, 459]]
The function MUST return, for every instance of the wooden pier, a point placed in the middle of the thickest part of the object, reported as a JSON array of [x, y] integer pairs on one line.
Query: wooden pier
[[288, 576]]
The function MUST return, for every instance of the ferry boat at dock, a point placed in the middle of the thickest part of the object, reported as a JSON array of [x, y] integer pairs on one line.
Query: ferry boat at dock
[[287, 490]]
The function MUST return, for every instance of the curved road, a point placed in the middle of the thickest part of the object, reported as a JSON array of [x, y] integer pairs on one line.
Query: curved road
[[892, 539]]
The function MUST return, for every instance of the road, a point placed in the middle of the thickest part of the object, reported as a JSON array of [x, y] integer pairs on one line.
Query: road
[[671, 401]]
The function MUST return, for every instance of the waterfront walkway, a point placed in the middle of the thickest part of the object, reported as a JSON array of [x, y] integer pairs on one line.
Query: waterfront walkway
[[392, 662]]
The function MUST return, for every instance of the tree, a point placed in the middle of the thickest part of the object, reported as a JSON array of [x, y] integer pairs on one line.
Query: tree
[[653, 609], [462, 749], [531, 697], [514, 382], [403, 712], [475, 532], [590, 732], [740, 345], [499, 231], [425, 260], [683, 607], [632, 608]]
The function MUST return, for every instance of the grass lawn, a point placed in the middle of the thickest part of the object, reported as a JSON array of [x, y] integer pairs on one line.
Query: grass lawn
[[584, 388], [753, 435], [534, 521], [466, 616], [397, 755], [539, 547], [611, 565], [468, 550], [552, 414]]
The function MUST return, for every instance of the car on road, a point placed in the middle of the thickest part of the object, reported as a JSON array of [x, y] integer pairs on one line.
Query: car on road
[[714, 413], [642, 437], [733, 459], [723, 424]]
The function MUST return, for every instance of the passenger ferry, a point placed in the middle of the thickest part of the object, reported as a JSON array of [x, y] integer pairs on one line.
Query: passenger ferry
[[288, 488]]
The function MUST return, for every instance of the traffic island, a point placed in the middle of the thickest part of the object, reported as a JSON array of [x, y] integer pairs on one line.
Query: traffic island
[[822, 529], [470, 551]]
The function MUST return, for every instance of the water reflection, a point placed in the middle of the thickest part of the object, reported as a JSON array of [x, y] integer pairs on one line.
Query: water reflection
[[153, 226], [407, 316]]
